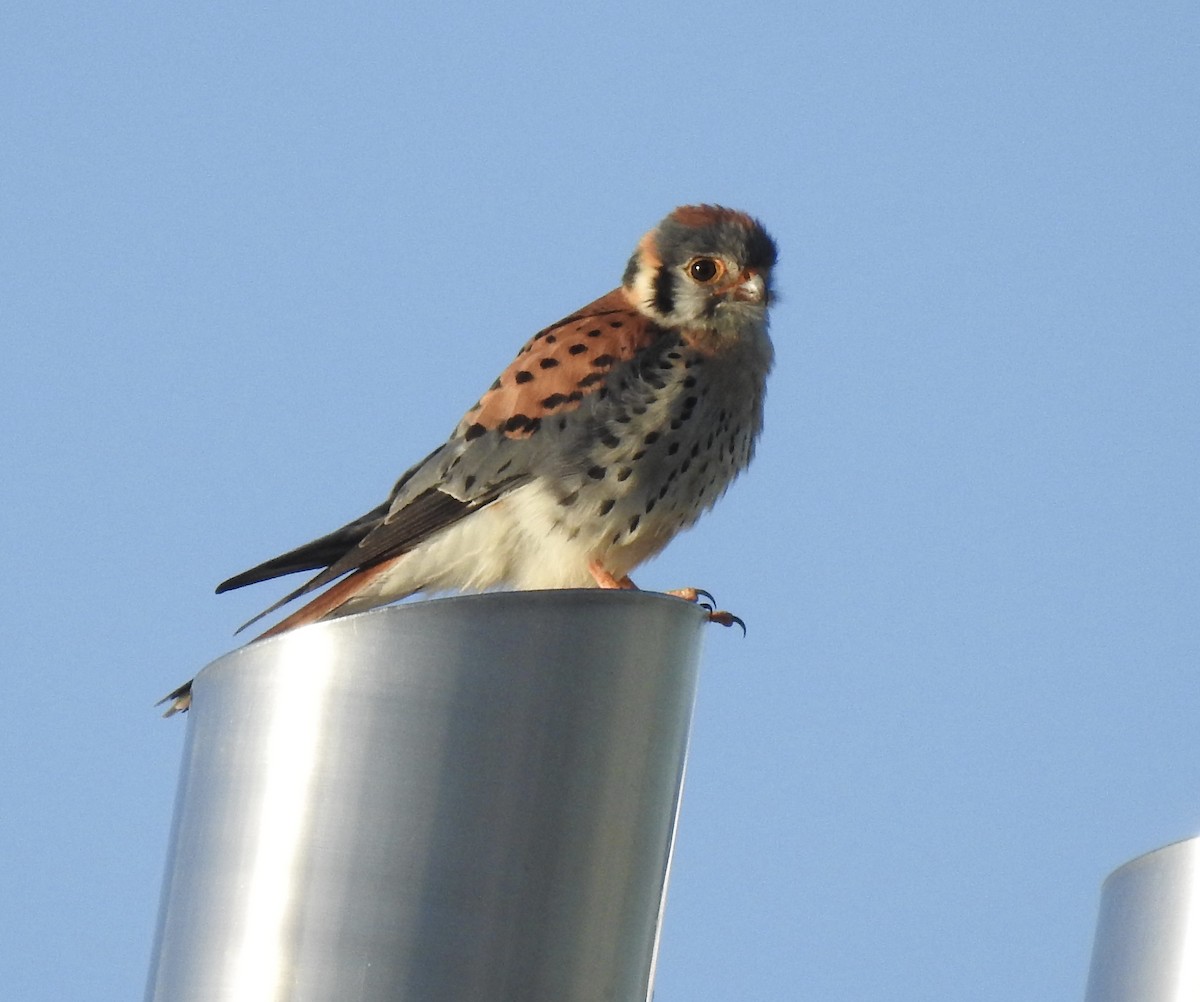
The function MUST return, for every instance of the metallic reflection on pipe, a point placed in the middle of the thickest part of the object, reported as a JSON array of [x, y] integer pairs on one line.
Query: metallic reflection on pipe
[[1147, 946], [466, 799]]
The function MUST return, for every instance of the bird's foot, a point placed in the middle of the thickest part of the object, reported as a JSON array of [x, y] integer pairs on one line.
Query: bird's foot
[[605, 579], [714, 615]]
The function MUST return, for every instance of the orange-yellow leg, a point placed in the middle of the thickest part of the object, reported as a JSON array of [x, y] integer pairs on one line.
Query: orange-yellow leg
[[605, 579]]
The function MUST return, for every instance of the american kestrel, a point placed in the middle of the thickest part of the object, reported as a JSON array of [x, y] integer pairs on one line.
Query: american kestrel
[[611, 431]]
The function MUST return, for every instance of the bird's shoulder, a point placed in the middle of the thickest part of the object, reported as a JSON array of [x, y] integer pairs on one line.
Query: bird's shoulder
[[561, 366]]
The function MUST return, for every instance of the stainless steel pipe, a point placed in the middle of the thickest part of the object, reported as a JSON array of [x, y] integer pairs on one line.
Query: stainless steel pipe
[[464, 799], [1147, 946]]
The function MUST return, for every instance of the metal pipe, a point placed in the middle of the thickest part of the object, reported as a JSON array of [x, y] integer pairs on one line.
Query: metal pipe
[[1147, 946], [464, 799]]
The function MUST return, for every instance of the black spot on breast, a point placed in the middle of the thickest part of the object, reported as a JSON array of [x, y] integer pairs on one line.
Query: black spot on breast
[[602, 361], [569, 499], [610, 440], [672, 448], [551, 339], [597, 472], [594, 332], [662, 491], [633, 523], [577, 349], [689, 382], [468, 483], [650, 505], [651, 438], [616, 324], [639, 409], [674, 355], [474, 431], [606, 506], [554, 400], [623, 473], [695, 450], [524, 376], [548, 363], [591, 380]]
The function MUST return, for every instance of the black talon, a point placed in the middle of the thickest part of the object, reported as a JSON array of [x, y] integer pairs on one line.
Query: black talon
[[708, 595], [727, 619]]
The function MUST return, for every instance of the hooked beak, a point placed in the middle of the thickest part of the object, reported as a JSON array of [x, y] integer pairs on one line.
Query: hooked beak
[[751, 288]]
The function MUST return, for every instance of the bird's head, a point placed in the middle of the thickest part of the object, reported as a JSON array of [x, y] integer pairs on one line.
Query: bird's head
[[704, 267]]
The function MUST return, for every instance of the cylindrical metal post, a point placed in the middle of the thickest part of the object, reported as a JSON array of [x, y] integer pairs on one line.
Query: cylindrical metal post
[[464, 799], [1147, 946]]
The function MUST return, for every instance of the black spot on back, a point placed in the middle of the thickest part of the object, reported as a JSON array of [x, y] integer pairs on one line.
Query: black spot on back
[[522, 422]]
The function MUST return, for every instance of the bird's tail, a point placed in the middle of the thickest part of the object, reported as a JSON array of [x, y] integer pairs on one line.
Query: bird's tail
[[181, 699]]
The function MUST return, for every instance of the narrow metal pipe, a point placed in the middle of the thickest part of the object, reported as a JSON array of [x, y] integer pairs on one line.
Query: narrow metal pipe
[[1147, 946], [465, 799]]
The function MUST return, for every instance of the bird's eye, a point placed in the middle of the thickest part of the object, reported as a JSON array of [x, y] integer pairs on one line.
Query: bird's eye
[[705, 269]]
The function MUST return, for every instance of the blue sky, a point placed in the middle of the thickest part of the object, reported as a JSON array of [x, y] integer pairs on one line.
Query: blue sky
[[253, 263]]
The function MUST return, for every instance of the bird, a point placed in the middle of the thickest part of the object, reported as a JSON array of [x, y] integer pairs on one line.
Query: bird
[[610, 432]]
